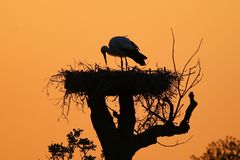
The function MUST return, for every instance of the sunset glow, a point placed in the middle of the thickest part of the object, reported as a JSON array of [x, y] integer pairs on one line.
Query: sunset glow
[[38, 38]]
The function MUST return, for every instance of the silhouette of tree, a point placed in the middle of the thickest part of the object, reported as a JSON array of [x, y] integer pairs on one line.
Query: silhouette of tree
[[158, 95], [222, 149], [75, 142]]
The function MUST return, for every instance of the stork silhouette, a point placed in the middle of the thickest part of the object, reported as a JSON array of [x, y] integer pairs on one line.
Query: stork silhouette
[[121, 46]]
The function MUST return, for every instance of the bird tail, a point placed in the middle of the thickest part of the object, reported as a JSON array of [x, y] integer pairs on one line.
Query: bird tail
[[139, 58]]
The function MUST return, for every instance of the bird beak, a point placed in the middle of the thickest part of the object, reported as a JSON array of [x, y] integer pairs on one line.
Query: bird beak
[[105, 58]]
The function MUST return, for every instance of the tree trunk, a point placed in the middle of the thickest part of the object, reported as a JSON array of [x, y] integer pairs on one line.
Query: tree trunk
[[119, 143], [115, 142]]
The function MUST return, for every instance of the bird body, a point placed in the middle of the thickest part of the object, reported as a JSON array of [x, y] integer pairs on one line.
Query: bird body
[[121, 46]]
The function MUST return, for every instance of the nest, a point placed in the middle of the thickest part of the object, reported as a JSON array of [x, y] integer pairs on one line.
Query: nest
[[114, 82], [147, 86]]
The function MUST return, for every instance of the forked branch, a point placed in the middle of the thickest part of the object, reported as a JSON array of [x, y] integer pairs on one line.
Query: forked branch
[[189, 76]]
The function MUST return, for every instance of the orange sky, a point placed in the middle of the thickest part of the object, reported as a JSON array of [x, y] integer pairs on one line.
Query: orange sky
[[37, 38]]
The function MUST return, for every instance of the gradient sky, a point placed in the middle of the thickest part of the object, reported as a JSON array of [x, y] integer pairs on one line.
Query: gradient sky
[[38, 38]]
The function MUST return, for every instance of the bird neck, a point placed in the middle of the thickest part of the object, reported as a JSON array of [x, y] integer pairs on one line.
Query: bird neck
[[109, 51]]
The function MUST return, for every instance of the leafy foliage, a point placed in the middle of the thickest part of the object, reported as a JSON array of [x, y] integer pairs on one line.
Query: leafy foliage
[[84, 145], [223, 149]]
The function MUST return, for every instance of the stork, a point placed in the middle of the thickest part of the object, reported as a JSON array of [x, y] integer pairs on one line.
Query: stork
[[121, 46]]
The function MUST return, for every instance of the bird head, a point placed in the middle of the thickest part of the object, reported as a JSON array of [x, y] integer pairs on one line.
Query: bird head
[[104, 51]]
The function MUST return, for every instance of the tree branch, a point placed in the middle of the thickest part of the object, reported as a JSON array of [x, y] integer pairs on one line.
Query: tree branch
[[190, 108], [169, 129], [150, 136], [176, 144], [173, 51], [171, 115]]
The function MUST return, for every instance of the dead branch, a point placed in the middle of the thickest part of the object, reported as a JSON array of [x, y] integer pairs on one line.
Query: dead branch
[[176, 144], [188, 77], [173, 51]]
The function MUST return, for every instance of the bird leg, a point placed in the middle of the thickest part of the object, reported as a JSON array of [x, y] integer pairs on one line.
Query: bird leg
[[121, 64], [126, 63]]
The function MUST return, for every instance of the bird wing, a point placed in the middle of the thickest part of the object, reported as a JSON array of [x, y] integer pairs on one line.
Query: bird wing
[[122, 43], [136, 47]]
